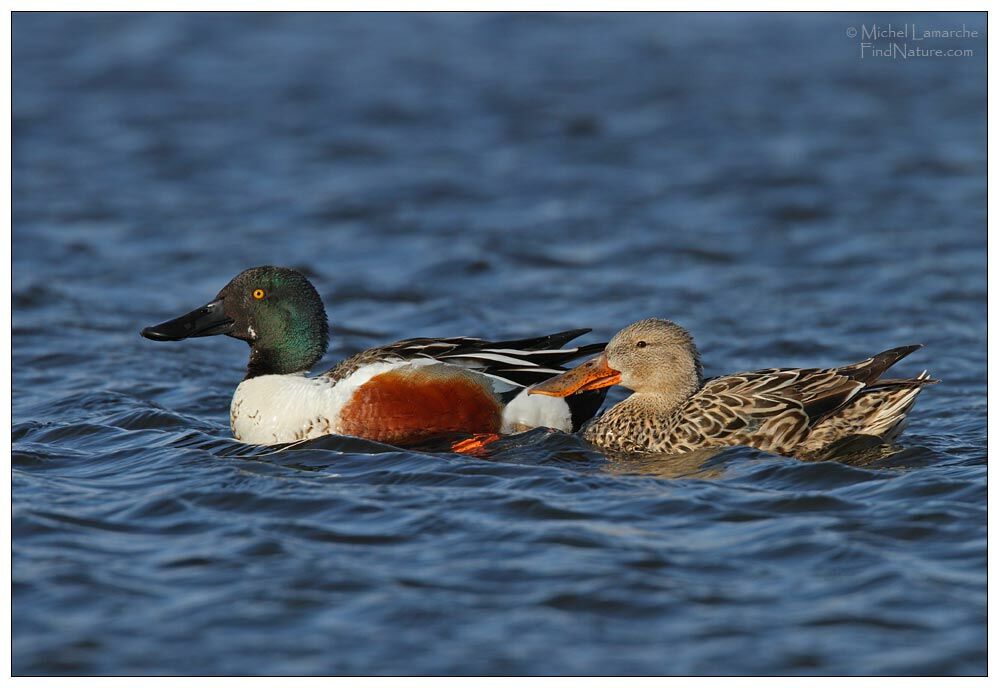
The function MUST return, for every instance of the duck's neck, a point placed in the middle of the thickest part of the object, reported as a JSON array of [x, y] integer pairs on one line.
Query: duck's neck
[[286, 359]]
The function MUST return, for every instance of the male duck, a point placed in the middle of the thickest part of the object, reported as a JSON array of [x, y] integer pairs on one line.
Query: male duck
[[791, 411], [403, 393]]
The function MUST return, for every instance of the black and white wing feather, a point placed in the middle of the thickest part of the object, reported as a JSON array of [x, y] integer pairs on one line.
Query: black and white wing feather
[[518, 362]]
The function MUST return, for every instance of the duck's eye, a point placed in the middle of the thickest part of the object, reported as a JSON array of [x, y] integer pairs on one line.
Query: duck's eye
[[258, 294], [642, 344]]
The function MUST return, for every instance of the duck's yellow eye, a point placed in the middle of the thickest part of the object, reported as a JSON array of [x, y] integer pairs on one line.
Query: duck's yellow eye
[[258, 294]]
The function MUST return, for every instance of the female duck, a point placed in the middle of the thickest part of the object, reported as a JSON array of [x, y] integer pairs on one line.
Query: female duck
[[791, 411], [403, 393]]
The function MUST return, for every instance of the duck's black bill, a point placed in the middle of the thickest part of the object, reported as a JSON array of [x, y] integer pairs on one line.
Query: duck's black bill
[[208, 320]]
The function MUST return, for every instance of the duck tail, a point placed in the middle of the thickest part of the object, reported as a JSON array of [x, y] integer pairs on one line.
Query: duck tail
[[892, 400], [870, 370], [879, 410]]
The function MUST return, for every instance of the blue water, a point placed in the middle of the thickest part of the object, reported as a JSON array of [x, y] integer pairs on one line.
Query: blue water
[[748, 176]]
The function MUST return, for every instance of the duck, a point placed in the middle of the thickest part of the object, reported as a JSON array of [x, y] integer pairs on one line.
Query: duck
[[402, 394], [798, 412]]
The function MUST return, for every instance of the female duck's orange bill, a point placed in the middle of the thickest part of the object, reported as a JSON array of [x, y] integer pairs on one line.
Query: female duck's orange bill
[[593, 374]]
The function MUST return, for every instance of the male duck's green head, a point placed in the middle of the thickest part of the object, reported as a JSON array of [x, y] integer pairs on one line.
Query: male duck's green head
[[276, 311]]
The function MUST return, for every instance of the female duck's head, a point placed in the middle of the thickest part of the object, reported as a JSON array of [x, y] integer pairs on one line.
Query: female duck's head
[[275, 310], [651, 356]]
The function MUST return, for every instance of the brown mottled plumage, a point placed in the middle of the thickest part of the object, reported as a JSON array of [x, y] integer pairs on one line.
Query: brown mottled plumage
[[792, 411]]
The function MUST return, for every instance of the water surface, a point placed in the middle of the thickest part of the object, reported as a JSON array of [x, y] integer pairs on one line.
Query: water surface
[[492, 175]]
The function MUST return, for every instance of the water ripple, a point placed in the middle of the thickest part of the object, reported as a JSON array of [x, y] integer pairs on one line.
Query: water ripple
[[433, 180]]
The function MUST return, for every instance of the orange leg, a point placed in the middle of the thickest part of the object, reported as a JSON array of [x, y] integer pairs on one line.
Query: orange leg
[[476, 444]]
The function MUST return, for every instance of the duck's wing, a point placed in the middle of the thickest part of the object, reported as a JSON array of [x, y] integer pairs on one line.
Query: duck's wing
[[760, 409], [775, 409], [517, 362]]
